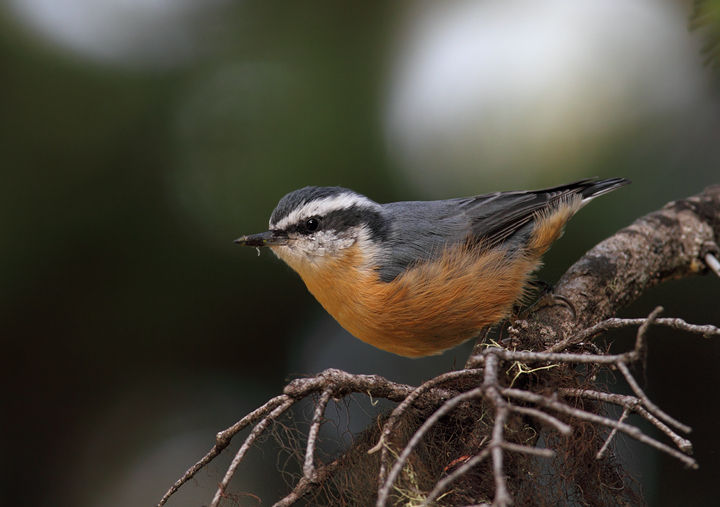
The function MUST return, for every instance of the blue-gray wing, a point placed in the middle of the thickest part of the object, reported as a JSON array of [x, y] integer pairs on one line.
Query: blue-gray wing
[[421, 230]]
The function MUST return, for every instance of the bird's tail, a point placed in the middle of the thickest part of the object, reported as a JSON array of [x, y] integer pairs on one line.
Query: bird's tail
[[595, 188]]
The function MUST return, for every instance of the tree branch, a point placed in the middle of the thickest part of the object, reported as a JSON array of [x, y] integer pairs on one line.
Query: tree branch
[[667, 244]]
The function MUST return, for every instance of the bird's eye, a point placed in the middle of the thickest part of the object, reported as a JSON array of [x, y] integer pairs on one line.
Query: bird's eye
[[312, 224]]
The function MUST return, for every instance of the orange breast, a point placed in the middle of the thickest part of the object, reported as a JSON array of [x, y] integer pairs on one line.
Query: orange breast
[[429, 308]]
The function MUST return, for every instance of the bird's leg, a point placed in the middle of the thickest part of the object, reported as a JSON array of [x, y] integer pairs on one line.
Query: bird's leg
[[547, 298]]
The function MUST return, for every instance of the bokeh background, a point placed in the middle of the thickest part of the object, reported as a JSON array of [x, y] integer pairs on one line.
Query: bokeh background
[[139, 138]]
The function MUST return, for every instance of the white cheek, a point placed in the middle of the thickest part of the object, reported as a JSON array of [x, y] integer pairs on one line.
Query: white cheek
[[325, 242], [313, 250]]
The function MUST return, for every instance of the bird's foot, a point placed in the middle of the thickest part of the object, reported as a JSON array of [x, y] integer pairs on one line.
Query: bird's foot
[[547, 298]]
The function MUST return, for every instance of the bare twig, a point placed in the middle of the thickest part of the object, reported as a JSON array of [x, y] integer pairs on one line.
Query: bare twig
[[336, 383], [492, 392], [406, 403], [305, 485], [449, 405], [222, 441], [604, 448], [342, 384], [450, 478], [649, 405], [475, 460], [526, 449], [594, 418], [633, 404], [309, 466], [547, 357], [254, 434], [615, 323], [502, 495], [489, 390], [563, 428]]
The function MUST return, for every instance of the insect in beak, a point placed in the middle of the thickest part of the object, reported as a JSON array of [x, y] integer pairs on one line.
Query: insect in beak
[[270, 238]]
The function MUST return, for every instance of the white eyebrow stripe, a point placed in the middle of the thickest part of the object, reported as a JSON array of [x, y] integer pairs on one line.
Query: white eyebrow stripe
[[324, 206]]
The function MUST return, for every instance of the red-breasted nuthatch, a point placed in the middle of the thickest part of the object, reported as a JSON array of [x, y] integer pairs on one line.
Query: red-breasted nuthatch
[[416, 278]]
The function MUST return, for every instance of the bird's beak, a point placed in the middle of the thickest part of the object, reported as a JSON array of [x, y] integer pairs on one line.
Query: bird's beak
[[270, 238]]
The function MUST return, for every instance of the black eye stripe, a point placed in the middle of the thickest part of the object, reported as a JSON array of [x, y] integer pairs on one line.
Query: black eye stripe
[[342, 220], [305, 226]]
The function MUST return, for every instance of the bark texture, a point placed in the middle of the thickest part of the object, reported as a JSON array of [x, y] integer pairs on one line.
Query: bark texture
[[666, 244]]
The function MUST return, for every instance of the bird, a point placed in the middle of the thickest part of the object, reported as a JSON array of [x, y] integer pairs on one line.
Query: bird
[[416, 278]]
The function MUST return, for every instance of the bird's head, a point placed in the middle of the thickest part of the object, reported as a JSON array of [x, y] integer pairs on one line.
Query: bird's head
[[313, 226]]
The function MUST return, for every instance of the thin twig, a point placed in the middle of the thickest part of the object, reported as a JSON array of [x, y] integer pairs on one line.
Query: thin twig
[[305, 486], [221, 442], [414, 395], [706, 331], [309, 466], [634, 404], [254, 434], [443, 483], [554, 357], [649, 405], [502, 412], [502, 495], [526, 449], [682, 443], [563, 428], [446, 407], [588, 416], [640, 338], [404, 405], [347, 383], [603, 449]]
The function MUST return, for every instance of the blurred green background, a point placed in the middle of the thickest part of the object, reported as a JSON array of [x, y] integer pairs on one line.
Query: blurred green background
[[139, 138]]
